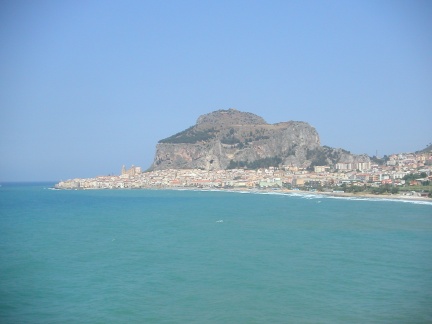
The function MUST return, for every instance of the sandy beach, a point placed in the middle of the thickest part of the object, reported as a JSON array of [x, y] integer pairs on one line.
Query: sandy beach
[[358, 195], [330, 194]]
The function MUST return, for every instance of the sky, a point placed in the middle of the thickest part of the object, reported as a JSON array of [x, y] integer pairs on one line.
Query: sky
[[89, 86]]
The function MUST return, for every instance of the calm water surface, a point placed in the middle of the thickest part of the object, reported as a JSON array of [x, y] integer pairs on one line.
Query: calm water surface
[[146, 256]]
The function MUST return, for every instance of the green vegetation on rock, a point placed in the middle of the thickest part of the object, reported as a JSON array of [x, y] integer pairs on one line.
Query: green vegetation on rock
[[190, 135], [257, 164]]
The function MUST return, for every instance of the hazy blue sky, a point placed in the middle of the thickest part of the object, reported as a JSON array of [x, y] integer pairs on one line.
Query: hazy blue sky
[[87, 86]]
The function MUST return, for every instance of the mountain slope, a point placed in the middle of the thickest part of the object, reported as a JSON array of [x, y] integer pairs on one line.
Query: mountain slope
[[231, 138]]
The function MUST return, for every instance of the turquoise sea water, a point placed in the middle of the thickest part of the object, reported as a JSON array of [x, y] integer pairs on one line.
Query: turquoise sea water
[[147, 256]]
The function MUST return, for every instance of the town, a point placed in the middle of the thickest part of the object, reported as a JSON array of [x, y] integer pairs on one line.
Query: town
[[406, 173]]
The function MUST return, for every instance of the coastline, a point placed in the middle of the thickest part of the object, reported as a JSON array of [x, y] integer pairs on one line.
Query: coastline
[[343, 195], [314, 193], [235, 180], [283, 191], [365, 195]]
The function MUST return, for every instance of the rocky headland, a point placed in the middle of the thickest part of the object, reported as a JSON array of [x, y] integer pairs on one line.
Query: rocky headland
[[228, 139]]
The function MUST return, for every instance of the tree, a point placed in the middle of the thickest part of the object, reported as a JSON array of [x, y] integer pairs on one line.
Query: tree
[[394, 190]]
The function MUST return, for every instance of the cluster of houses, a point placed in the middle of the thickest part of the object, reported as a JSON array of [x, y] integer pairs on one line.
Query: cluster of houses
[[364, 173]]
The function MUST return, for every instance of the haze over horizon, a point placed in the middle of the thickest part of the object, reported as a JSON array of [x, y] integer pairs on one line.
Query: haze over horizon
[[89, 86]]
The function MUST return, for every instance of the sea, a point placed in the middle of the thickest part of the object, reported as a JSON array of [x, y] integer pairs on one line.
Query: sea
[[181, 256]]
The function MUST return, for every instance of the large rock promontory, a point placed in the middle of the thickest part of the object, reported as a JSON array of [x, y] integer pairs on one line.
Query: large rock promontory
[[231, 139]]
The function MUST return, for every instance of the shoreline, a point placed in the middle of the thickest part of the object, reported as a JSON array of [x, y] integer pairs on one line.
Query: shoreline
[[287, 192], [315, 193], [331, 194], [367, 195], [282, 191], [347, 195]]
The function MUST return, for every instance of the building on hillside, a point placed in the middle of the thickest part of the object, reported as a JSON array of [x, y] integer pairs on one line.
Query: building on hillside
[[344, 166], [362, 166], [321, 168]]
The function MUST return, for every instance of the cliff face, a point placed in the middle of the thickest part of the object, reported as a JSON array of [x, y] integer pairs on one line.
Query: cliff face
[[230, 138]]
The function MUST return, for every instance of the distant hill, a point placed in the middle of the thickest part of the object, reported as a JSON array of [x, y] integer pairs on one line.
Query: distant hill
[[427, 149], [230, 138]]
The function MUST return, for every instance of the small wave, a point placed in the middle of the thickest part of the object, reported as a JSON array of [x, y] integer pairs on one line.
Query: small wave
[[416, 202], [273, 193], [307, 196], [320, 196], [313, 196]]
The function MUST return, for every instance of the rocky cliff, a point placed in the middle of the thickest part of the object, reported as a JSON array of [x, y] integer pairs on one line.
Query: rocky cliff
[[232, 139]]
